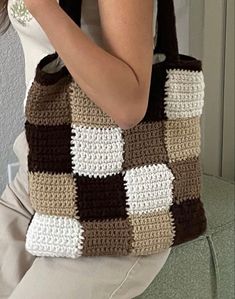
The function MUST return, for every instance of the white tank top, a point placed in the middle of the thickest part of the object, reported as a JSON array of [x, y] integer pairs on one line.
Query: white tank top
[[35, 42]]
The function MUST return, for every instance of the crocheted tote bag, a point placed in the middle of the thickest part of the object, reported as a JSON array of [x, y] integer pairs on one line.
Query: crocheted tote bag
[[100, 190]]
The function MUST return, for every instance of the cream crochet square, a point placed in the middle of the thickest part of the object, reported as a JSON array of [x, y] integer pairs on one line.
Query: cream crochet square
[[96, 152], [54, 236], [149, 188], [184, 91]]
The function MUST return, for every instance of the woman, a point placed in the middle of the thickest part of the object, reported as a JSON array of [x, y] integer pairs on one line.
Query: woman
[[117, 34]]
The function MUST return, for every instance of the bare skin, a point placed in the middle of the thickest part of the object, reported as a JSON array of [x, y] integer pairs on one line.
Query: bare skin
[[117, 77]]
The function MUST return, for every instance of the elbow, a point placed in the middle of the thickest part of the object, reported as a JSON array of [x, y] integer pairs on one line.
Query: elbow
[[132, 116], [129, 123]]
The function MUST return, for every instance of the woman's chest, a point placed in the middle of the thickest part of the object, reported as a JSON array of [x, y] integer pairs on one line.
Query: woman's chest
[[28, 28]]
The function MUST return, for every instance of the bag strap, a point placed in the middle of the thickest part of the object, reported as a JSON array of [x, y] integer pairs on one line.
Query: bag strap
[[73, 9], [167, 42]]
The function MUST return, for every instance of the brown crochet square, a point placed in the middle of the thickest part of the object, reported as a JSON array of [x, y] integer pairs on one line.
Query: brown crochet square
[[85, 111], [107, 237], [144, 145], [182, 138], [187, 182], [49, 104], [155, 226], [53, 194], [101, 198]]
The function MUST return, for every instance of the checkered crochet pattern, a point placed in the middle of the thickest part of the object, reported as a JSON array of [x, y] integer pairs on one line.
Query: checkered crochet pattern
[[100, 190]]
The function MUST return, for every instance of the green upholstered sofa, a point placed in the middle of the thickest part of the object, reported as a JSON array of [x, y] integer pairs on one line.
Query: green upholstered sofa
[[202, 268]]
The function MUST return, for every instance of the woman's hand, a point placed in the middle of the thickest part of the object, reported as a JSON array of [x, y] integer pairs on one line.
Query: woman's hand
[[34, 6]]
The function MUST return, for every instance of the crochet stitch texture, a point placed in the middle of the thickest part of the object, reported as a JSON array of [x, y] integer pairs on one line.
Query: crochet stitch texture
[[100, 190]]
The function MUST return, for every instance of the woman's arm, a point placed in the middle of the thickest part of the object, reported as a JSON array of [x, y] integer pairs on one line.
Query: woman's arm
[[116, 78]]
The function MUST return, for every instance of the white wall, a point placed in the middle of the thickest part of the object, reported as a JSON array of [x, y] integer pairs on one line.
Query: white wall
[[11, 97], [212, 39]]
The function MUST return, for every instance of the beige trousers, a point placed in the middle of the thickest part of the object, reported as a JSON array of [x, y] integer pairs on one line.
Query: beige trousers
[[24, 276]]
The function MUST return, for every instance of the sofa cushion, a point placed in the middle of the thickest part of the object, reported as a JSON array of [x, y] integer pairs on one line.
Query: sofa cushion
[[204, 267]]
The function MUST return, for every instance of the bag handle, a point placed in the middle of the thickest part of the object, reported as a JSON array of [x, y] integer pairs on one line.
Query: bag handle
[[167, 42], [73, 9]]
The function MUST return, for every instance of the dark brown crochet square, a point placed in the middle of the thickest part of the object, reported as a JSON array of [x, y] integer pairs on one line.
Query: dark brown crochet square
[[101, 198], [144, 145], [189, 219], [155, 110], [49, 148]]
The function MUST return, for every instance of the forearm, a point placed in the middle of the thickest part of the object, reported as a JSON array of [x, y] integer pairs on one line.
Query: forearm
[[108, 81]]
